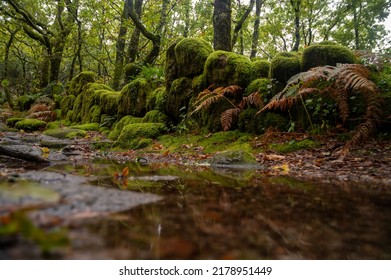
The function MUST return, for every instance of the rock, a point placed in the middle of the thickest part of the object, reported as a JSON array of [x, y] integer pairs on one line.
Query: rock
[[233, 157], [24, 152]]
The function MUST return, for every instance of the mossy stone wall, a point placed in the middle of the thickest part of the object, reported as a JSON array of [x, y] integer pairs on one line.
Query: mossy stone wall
[[133, 98], [178, 97]]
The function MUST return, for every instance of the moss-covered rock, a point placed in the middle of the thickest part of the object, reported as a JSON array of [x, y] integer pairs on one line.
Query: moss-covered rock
[[191, 54], [67, 103], [263, 86], [11, 122], [87, 126], [156, 100], [132, 70], [155, 116], [284, 65], [326, 54], [109, 102], [75, 86], [260, 68], [233, 157], [30, 125], [66, 133], [226, 68], [199, 83], [171, 67], [24, 102], [133, 134], [133, 98], [121, 124], [271, 119], [177, 100], [294, 145]]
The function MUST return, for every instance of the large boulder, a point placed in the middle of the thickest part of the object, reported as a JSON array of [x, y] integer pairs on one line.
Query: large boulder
[[285, 65], [191, 54], [326, 54], [223, 69], [133, 98]]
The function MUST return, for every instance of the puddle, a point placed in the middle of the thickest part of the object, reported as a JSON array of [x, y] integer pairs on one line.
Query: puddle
[[207, 213]]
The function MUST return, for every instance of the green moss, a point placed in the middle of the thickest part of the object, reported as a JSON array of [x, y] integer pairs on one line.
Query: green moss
[[199, 83], [294, 145], [326, 54], [109, 101], [132, 70], [87, 126], [171, 67], [90, 109], [132, 134], [270, 119], [75, 86], [133, 98], [178, 97], [66, 133], [233, 157], [191, 54], [121, 124], [24, 102], [54, 125], [260, 68], [284, 65], [155, 116], [67, 103], [226, 68], [249, 121], [11, 122], [263, 86], [30, 125], [156, 100]]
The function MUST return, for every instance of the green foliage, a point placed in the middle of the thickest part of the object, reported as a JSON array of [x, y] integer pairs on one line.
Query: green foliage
[[133, 136], [285, 65], [223, 69], [30, 125], [326, 54]]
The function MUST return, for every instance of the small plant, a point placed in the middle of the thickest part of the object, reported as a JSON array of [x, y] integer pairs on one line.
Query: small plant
[[339, 83], [209, 97]]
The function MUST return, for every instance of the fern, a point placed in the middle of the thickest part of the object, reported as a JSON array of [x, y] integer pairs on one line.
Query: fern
[[338, 82]]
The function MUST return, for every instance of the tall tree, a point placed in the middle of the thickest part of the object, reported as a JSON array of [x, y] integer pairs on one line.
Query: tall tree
[[222, 25], [255, 36], [52, 37], [296, 5]]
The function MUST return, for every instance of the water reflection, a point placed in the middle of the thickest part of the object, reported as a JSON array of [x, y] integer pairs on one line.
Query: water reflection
[[239, 214]]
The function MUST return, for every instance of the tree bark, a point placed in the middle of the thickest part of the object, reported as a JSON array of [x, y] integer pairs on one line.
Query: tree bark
[[135, 38], [255, 37], [222, 25], [120, 48], [296, 8]]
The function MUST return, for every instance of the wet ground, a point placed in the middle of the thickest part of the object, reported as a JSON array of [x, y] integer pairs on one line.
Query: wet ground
[[201, 212]]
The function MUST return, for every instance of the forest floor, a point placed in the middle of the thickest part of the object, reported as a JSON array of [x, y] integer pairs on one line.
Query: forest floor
[[369, 162]]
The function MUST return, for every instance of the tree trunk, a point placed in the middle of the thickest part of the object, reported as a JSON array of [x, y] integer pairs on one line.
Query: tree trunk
[[120, 49], [4, 83], [222, 25], [135, 38], [296, 8], [255, 37]]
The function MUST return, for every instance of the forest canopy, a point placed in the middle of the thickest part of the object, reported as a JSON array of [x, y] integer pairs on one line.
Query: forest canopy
[[44, 42]]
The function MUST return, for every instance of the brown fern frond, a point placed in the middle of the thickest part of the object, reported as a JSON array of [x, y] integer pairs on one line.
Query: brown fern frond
[[207, 101], [254, 99], [228, 116], [39, 108], [46, 116], [233, 90], [341, 95]]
